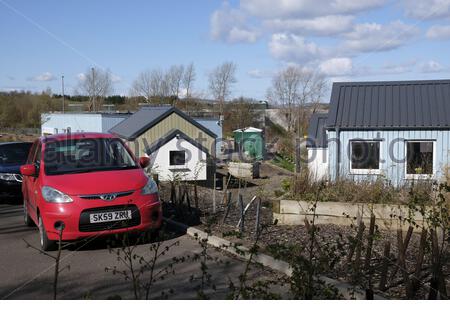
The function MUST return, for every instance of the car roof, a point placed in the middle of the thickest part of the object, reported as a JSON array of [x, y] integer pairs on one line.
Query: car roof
[[14, 142], [77, 136]]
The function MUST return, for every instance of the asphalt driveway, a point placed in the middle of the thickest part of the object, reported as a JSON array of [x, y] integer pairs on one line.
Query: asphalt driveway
[[27, 274]]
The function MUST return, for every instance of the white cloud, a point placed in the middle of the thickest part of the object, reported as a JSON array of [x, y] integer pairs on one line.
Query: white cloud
[[242, 35], [427, 9], [230, 25], [336, 67], [46, 76], [432, 67], [439, 32], [307, 8], [290, 24], [9, 89], [320, 26], [355, 6], [376, 37], [81, 76], [293, 48]]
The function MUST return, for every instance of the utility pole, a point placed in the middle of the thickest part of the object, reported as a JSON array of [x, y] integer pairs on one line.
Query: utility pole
[[93, 89], [298, 143], [62, 84]]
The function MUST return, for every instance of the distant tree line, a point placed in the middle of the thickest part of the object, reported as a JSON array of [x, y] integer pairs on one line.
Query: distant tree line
[[23, 109], [291, 88], [114, 99]]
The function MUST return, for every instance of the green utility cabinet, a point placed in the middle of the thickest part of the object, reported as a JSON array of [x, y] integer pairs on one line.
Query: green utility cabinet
[[250, 141]]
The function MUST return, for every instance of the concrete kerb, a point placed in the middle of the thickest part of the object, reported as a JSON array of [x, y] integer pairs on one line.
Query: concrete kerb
[[345, 289]]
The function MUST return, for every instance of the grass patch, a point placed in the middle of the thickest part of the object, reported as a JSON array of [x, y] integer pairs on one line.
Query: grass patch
[[283, 162]]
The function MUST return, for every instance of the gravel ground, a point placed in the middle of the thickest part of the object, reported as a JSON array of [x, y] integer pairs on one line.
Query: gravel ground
[[279, 242]]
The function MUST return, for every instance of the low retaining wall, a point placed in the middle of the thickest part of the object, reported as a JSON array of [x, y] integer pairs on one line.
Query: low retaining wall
[[244, 170], [291, 212]]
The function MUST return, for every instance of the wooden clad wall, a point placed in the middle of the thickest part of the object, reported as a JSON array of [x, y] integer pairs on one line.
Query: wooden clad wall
[[171, 122], [392, 153]]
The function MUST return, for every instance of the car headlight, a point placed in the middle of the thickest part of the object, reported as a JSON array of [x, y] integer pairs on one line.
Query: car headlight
[[52, 195], [151, 187], [9, 177]]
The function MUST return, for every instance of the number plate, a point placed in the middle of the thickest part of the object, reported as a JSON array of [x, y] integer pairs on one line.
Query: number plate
[[110, 216]]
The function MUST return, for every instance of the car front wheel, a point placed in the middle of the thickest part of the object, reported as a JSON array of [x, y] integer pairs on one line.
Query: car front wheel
[[46, 244]]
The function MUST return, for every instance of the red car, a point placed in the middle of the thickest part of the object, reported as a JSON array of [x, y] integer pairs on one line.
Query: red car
[[87, 184]]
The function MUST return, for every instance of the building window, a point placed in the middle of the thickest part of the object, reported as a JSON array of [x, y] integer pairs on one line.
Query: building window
[[419, 158], [365, 157], [177, 158]]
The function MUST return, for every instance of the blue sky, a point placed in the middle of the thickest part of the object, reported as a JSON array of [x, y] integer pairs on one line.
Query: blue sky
[[343, 39]]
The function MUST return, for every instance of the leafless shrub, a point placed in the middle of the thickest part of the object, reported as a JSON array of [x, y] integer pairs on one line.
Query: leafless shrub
[[143, 270], [57, 260]]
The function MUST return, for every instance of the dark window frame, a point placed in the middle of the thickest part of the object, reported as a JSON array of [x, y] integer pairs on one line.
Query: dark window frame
[[410, 174], [174, 160], [368, 167]]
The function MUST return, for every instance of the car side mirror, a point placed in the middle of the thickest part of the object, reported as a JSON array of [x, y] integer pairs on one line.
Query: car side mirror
[[28, 170], [144, 162]]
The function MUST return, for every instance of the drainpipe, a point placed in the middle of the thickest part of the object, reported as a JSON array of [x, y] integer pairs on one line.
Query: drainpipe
[[338, 153]]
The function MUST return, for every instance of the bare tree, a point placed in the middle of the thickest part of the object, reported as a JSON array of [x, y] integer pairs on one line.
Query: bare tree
[[150, 84], [240, 114], [293, 88], [221, 80], [97, 84], [142, 86], [188, 79], [174, 80], [160, 84]]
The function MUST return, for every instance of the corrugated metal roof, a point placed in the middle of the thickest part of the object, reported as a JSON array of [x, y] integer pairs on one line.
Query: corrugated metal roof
[[140, 119], [317, 136], [390, 104], [147, 117]]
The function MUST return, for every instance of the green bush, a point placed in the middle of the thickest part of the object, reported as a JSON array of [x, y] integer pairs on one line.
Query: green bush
[[284, 162]]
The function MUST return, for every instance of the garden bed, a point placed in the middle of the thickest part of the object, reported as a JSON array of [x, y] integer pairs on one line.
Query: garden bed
[[281, 241], [332, 241], [338, 251]]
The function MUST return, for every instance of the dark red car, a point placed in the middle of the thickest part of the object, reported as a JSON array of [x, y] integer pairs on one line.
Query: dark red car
[[88, 184]]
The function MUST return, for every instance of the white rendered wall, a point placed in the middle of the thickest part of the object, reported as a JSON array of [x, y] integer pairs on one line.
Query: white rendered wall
[[194, 169], [52, 123], [318, 163]]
